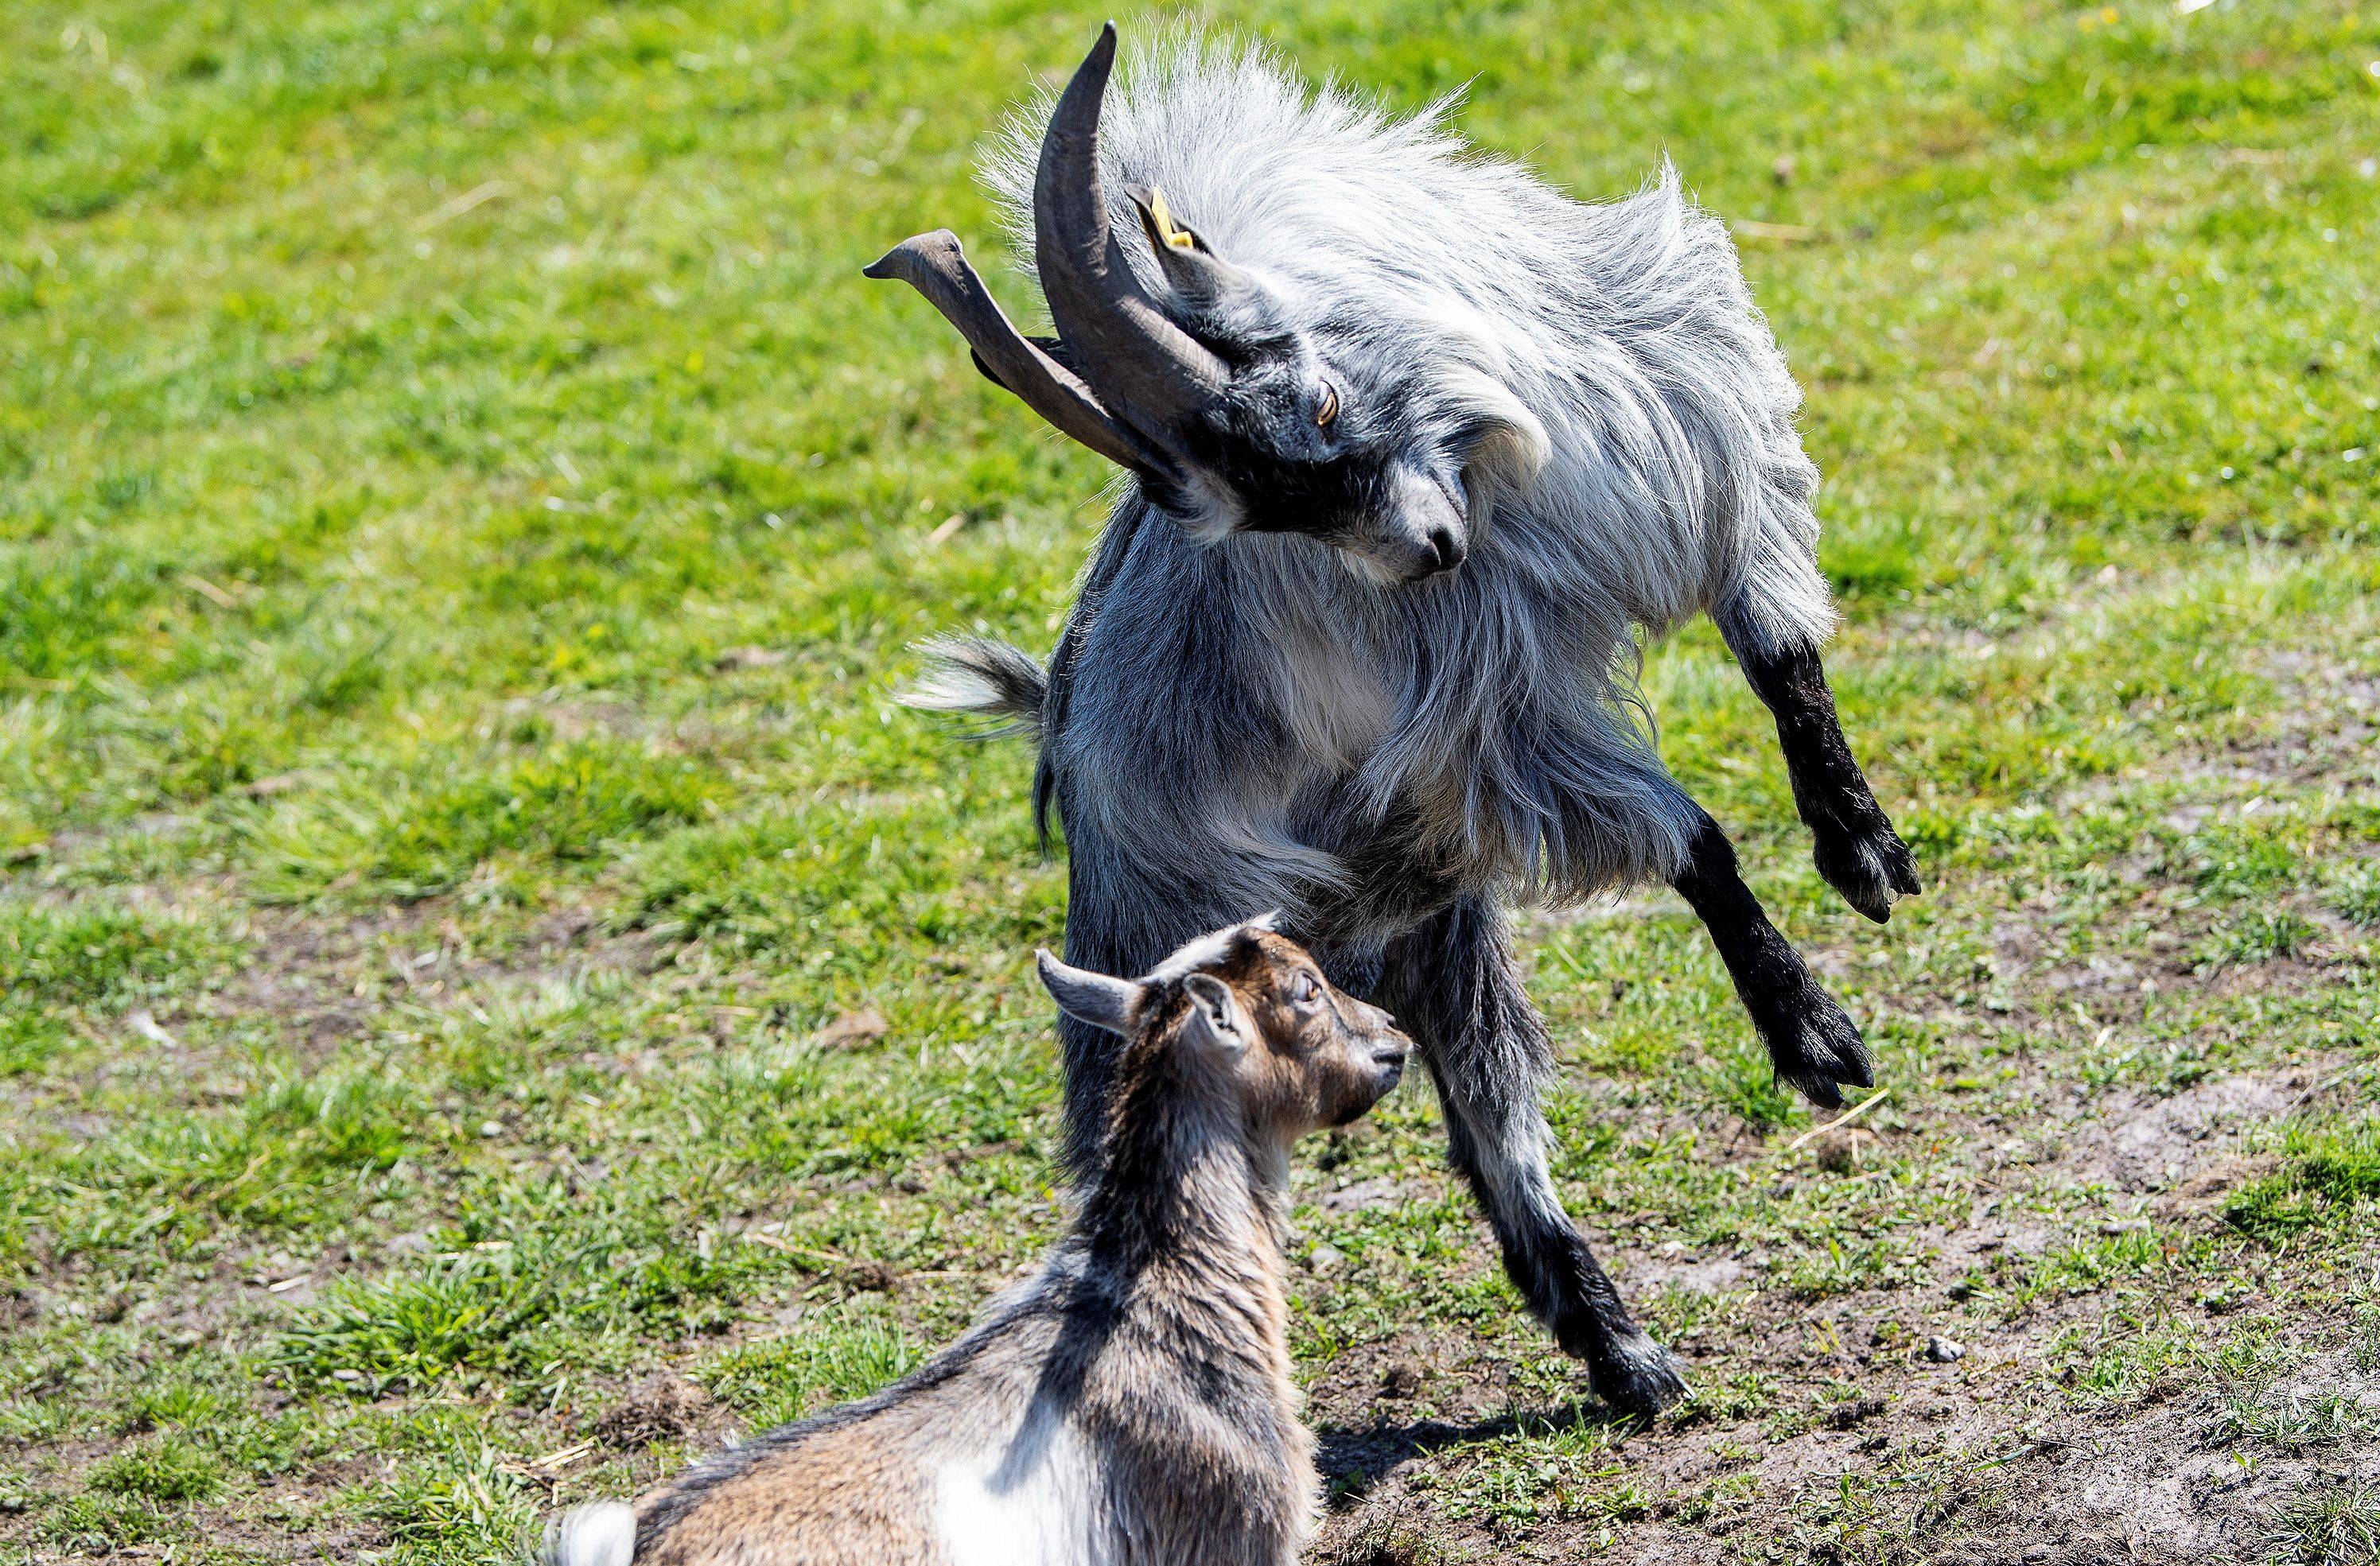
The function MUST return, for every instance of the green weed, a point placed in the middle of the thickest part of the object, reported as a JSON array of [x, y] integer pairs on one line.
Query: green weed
[[2333, 1520], [2329, 1169], [171, 1470], [816, 1365]]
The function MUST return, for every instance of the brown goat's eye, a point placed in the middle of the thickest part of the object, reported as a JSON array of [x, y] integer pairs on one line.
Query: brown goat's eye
[[1328, 411], [1306, 990]]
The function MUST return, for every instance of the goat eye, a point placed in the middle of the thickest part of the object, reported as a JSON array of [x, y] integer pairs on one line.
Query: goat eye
[[1307, 990], [1328, 411]]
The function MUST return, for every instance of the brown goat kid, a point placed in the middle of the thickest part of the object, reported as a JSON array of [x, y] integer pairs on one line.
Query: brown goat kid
[[1130, 1405]]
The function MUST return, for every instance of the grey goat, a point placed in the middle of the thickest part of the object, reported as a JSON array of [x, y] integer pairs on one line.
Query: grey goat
[[1132, 1404], [1417, 447]]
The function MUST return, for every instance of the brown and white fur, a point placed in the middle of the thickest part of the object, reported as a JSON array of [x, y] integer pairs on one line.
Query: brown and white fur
[[1131, 1405]]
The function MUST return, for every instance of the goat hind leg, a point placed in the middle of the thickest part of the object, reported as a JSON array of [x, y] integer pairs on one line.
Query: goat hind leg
[[1453, 987], [1852, 841]]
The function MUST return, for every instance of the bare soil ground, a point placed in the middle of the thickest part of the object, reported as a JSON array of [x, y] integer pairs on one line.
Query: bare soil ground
[[1964, 1450]]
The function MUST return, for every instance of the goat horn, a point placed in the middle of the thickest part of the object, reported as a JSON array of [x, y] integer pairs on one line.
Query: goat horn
[[1146, 369], [936, 266]]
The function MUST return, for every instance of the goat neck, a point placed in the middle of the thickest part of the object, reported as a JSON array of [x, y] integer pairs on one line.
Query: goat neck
[[1185, 1215]]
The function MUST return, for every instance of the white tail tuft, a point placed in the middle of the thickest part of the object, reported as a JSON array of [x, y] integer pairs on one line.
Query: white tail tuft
[[601, 1535], [981, 678]]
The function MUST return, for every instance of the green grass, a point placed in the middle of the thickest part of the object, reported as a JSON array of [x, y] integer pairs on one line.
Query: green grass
[[2329, 1170], [462, 515], [2335, 1523]]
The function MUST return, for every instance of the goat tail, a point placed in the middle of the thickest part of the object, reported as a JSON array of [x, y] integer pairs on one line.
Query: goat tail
[[982, 678], [602, 1535]]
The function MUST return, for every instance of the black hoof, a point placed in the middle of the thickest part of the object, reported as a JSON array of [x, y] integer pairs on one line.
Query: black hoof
[[1635, 1375], [1815, 1045], [1868, 864]]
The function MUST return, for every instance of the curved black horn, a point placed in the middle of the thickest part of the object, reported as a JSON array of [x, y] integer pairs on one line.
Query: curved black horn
[[936, 266], [1148, 370]]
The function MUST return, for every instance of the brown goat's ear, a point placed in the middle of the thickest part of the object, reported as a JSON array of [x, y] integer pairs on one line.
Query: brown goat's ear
[[1094, 998], [1216, 1021]]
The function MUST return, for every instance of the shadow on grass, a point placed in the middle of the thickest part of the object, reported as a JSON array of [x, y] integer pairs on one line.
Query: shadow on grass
[[1352, 1460]]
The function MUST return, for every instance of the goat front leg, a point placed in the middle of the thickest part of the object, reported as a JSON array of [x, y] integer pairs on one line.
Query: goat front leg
[[1811, 1038], [1454, 988], [1854, 845]]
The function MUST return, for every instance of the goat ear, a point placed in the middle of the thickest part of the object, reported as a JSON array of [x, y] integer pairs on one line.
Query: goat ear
[[1094, 998], [1216, 1021], [1194, 270]]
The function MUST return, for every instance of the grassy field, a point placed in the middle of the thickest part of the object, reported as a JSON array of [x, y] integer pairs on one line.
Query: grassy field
[[498, 1000]]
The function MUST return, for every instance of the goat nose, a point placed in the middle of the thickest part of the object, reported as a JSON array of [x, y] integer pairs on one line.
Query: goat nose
[[1445, 548]]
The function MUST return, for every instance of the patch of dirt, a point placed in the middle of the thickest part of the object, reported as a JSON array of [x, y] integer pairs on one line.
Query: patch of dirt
[[661, 1407], [854, 1030], [324, 977], [1955, 1448], [1958, 1464], [1364, 1196], [246, 1534], [2144, 1144]]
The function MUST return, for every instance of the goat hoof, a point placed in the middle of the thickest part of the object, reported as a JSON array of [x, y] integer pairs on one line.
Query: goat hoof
[[1635, 1375], [1868, 864], [1815, 1046]]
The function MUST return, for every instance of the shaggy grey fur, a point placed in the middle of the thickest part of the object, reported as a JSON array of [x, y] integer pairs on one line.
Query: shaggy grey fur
[[1236, 720]]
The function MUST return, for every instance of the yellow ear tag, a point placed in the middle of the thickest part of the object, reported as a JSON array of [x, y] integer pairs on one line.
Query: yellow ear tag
[[1180, 238]]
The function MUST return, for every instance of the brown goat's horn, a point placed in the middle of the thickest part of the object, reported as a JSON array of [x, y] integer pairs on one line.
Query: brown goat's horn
[[1148, 370], [936, 266]]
